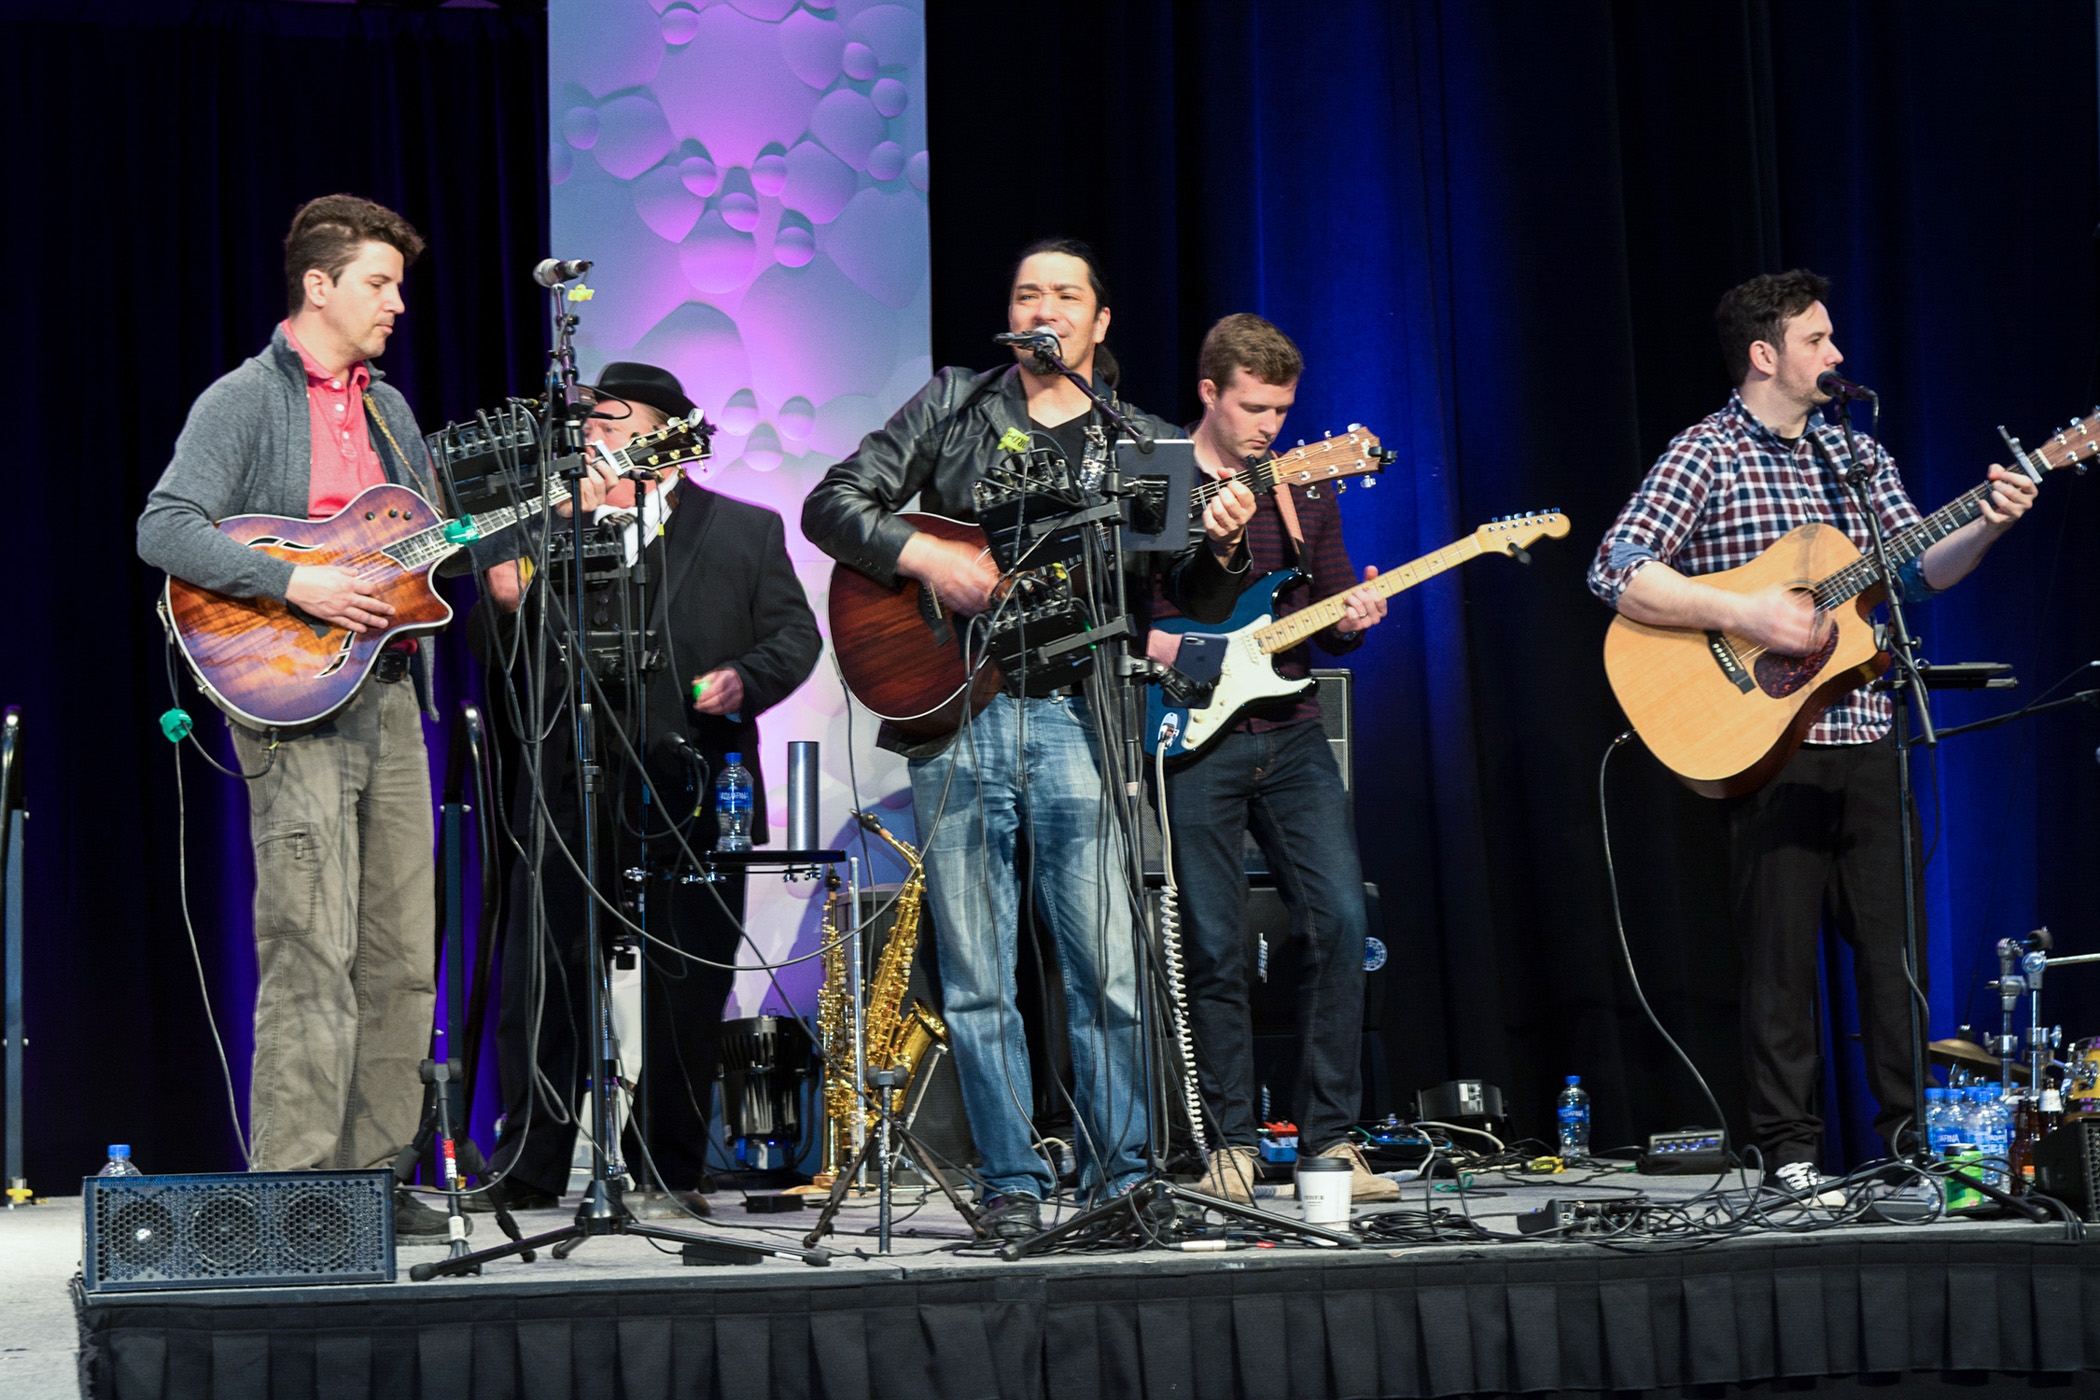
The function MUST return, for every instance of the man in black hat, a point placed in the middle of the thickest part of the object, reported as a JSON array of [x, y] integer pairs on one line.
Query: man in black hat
[[724, 610]]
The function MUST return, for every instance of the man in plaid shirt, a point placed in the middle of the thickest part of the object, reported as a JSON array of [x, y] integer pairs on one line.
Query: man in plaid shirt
[[1273, 770], [1826, 827]]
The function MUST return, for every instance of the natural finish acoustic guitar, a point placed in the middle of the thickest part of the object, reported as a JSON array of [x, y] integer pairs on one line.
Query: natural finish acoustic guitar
[[1722, 713], [275, 666], [898, 646]]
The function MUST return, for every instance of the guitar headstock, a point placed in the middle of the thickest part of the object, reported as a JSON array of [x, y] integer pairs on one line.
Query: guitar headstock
[[2072, 447], [1354, 453], [1510, 534], [680, 440]]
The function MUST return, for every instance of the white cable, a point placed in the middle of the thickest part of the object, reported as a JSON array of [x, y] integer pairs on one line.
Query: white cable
[[1170, 948]]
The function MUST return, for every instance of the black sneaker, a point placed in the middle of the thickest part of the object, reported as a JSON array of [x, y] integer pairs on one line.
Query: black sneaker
[[416, 1223], [1013, 1217]]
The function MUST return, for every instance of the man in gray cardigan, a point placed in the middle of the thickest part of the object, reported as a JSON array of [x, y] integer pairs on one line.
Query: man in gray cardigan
[[341, 813]]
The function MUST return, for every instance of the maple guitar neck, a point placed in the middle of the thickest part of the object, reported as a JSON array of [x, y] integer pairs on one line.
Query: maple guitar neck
[[1279, 636]]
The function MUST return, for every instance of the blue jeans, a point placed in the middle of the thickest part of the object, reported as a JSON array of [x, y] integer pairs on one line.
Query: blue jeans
[[1025, 770], [1285, 783]]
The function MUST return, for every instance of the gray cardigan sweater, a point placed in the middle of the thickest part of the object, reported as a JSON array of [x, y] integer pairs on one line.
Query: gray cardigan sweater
[[247, 449]]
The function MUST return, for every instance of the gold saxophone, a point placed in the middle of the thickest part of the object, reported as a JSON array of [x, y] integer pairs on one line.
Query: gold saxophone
[[896, 1037]]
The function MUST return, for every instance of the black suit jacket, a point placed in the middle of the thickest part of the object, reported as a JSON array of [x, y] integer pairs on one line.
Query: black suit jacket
[[727, 596]]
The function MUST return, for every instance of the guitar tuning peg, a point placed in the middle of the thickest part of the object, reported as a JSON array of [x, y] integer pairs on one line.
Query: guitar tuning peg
[[1301, 442], [1356, 427], [1369, 482], [1340, 486]]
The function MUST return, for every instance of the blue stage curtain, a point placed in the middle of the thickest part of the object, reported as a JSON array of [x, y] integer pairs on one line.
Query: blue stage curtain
[[161, 149], [1498, 231]]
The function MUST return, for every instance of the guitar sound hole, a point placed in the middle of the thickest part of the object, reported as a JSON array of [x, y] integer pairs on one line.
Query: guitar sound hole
[[1781, 676]]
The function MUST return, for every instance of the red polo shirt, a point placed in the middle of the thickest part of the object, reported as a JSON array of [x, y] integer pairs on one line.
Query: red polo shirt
[[344, 462]]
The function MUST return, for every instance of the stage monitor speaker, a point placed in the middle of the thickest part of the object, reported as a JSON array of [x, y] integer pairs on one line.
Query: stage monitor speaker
[[237, 1230], [2067, 1166]]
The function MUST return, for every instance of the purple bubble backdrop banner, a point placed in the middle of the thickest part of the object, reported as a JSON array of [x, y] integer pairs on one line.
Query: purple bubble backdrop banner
[[749, 179]]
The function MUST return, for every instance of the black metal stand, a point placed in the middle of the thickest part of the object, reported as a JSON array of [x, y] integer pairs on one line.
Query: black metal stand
[[11, 823], [890, 1137], [601, 1212], [1910, 681]]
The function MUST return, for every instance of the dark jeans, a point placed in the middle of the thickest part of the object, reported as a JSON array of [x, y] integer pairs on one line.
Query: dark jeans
[[682, 1008], [1284, 783], [1824, 832]]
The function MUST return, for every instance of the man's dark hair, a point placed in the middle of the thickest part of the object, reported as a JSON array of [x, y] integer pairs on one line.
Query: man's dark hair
[[1071, 248], [1245, 341], [327, 233], [1759, 310]]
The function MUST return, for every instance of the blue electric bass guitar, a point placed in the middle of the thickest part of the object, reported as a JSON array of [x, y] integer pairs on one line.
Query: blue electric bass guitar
[[1224, 667]]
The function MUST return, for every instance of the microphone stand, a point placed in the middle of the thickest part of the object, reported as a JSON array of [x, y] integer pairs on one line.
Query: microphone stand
[[602, 1211], [1153, 1205], [1908, 679]]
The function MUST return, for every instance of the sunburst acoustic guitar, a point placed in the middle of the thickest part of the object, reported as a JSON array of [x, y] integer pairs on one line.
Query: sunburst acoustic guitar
[[275, 666]]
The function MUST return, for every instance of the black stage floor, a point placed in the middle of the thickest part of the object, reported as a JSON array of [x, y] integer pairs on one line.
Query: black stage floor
[[1979, 1309]]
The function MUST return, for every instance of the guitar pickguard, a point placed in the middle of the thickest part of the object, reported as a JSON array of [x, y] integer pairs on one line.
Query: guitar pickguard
[[1780, 676]]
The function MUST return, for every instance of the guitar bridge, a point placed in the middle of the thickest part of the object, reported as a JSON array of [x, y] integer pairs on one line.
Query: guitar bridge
[[1731, 665]]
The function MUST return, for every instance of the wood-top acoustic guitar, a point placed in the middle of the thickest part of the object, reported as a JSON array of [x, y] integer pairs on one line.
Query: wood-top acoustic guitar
[[898, 647], [1724, 714]]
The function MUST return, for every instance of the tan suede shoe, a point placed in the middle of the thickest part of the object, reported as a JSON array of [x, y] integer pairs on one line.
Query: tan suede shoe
[[1366, 1187], [1233, 1172]]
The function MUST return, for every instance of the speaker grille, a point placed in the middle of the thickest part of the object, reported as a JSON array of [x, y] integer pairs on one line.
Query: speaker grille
[[237, 1230]]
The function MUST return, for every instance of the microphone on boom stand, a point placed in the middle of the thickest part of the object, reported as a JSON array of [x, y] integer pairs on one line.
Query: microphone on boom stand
[[1843, 390], [1043, 343], [552, 272]]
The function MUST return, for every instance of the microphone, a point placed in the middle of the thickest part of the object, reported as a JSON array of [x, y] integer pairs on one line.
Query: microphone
[[552, 272], [1042, 342], [1843, 390]]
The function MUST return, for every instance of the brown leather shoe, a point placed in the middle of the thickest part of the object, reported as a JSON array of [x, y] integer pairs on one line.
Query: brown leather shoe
[[1366, 1187], [1232, 1174]]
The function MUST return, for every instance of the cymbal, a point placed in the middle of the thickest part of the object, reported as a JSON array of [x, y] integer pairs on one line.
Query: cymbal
[[1967, 1054]]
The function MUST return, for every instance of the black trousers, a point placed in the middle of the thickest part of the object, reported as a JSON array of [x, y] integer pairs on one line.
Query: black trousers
[[1284, 784], [682, 1008], [1821, 839]]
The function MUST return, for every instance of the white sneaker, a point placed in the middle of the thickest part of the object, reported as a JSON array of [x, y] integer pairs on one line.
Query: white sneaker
[[1366, 1187], [1805, 1180], [1232, 1174]]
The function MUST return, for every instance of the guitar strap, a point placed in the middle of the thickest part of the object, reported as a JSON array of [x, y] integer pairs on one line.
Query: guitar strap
[[408, 465]]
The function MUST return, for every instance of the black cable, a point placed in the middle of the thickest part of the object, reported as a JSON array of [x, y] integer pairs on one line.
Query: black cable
[[1618, 916]]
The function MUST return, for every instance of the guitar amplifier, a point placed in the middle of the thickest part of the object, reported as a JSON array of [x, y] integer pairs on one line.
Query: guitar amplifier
[[236, 1230], [1337, 692]]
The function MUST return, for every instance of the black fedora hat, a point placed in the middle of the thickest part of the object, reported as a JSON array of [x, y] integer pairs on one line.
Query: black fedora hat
[[658, 388]]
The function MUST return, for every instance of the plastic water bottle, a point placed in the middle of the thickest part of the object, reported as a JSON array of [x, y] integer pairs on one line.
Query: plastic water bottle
[[1996, 1122], [119, 1163], [1936, 1134], [733, 805], [1574, 1120]]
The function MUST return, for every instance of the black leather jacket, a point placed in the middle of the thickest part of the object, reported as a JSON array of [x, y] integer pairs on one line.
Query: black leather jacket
[[935, 448]]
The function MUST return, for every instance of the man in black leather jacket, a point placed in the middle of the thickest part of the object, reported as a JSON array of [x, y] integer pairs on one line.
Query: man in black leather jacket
[[1025, 769]]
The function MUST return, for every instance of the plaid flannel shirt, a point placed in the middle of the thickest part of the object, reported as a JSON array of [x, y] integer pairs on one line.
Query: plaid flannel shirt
[[1725, 490]]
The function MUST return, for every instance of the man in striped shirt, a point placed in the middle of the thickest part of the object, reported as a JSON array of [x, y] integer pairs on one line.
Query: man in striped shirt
[[1826, 827], [1274, 772]]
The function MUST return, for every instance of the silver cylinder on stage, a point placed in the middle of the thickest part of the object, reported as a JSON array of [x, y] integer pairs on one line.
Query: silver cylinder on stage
[[802, 796]]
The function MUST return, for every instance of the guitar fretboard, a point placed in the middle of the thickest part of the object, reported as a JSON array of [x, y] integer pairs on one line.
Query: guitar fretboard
[[1279, 636], [1863, 573], [673, 443]]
